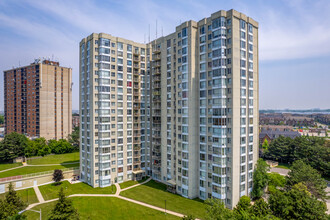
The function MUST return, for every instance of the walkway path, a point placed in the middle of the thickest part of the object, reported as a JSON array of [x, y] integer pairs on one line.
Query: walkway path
[[40, 165], [39, 195], [42, 201], [14, 168], [283, 172], [130, 187]]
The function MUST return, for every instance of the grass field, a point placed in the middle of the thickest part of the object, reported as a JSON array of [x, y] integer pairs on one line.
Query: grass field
[[130, 183], [6, 166], [103, 208], [29, 170], [56, 159], [50, 191], [283, 165], [27, 195], [155, 194]]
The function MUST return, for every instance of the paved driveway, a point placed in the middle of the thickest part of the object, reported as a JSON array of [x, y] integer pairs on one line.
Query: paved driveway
[[283, 172]]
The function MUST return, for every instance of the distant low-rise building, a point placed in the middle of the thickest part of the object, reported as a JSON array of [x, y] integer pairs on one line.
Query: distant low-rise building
[[277, 127], [286, 119], [270, 135], [299, 121], [75, 121]]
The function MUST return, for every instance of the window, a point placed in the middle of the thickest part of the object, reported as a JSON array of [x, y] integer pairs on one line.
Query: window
[[202, 30], [202, 39], [184, 32], [120, 46], [250, 28], [242, 24]]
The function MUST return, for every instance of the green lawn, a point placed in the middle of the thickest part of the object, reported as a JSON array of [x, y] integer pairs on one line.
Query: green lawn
[[6, 166], [56, 159], [29, 170], [283, 165], [103, 208], [50, 191], [27, 195], [131, 183], [155, 194]]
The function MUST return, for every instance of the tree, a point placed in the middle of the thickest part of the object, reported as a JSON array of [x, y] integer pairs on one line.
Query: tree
[[216, 210], [12, 146], [260, 178], [63, 209], [242, 209], [244, 203], [11, 204], [42, 147], [276, 179], [188, 217], [303, 173], [260, 208], [2, 119], [58, 176], [60, 147], [74, 137], [279, 204], [297, 203], [265, 144], [17, 217]]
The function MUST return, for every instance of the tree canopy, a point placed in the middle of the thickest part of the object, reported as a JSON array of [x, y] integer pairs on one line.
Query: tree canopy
[[314, 151], [260, 178], [11, 205], [304, 173], [63, 209], [16, 145], [12, 146]]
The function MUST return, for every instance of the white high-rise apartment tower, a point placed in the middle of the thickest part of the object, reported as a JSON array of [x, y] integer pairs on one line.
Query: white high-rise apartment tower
[[182, 109]]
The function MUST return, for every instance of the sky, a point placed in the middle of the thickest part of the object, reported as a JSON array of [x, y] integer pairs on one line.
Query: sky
[[294, 38]]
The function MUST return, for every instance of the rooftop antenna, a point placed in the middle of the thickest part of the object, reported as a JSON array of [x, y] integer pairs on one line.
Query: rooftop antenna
[[19, 63], [144, 39], [149, 34], [156, 28], [162, 32]]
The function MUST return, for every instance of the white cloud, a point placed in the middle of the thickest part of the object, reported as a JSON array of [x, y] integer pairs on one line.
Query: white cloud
[[301, 31], [292, 30]]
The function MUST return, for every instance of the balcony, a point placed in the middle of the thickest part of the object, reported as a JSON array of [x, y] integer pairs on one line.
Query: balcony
[[157, 70], [156, 78], [156, 50], [156, 64], [156, 57], [136, 52], [136, 59]]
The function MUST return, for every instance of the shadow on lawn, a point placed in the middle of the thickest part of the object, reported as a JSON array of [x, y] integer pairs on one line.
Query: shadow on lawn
[[73, 163], [161, 186]]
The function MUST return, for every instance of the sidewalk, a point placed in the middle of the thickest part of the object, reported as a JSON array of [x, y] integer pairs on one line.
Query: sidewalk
[[42, 201]]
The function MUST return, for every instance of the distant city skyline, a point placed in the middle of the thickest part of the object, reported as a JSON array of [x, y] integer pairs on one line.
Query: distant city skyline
[[293, 41]]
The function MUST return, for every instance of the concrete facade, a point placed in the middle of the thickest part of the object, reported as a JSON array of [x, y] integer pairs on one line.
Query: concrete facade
[[38, 100], [200, 101]]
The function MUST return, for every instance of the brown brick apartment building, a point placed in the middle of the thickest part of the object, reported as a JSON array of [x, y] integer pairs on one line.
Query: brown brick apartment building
[[37, 100]]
